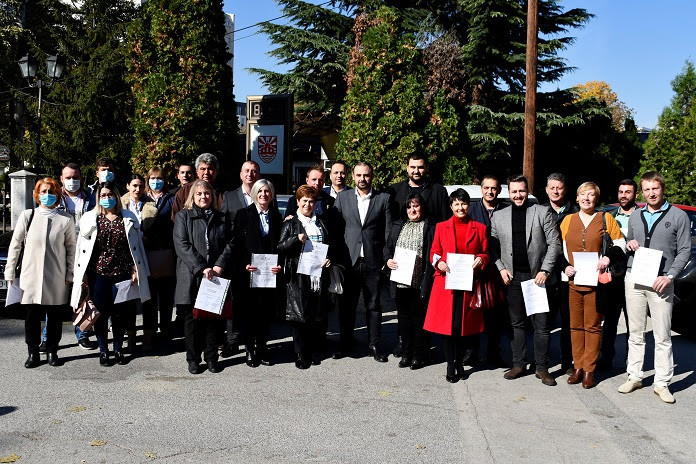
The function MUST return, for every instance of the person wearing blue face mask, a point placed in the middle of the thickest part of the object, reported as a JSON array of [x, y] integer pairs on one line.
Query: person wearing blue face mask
[[110, 250], [161, 258], [76, 202], [43, 244]]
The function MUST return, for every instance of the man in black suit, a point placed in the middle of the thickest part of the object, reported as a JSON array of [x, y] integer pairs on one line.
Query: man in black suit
[[558, 292], [434, 194], [315, 178], [367, 217], [483, 211]]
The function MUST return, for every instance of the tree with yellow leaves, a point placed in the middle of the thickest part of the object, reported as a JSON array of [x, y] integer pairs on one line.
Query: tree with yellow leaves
[[603, 93]]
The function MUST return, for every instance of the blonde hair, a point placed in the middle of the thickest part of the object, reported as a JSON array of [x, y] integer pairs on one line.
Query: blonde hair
[[194, 186], [589, 186], [155, 171], [258, 185]]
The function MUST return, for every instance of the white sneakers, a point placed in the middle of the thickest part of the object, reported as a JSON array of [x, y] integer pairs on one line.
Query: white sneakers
[[664, 394], [661, 391], [630, 385]]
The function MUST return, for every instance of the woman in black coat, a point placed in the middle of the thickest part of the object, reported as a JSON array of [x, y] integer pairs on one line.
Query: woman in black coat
[[256, 231], [307, 296], [413, 231], [203, 250]]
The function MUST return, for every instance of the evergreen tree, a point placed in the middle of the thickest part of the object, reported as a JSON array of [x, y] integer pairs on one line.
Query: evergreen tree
[[182, 84], [671, 147], [385, 115], [93, 104], [316, 45]]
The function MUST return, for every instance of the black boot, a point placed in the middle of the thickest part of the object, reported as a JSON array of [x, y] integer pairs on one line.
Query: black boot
[[34, 359], [53, 360]]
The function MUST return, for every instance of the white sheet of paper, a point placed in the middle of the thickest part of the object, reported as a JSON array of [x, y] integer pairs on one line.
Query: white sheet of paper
[[211, 294], [535, 299], [14, 293], [126, 292], [585, 264], [646, 266], [461, 275], [263, 277], [406, 262], [312, 257]]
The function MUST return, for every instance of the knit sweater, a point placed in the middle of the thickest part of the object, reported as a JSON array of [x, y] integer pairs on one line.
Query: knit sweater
[[670, 234]]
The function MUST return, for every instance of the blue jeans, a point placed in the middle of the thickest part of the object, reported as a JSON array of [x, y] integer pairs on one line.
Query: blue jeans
[[79, 335]]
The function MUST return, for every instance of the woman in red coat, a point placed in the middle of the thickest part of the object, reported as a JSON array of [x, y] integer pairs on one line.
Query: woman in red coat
[[448, 310]]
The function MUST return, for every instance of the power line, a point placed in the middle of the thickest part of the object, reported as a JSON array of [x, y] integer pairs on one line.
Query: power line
[[267, 21]]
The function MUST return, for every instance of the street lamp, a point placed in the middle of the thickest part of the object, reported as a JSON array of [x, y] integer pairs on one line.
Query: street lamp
[[54, 69]]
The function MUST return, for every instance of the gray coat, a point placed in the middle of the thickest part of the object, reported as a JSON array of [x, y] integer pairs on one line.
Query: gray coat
[[373, 234], [194, 253], [543, 244]]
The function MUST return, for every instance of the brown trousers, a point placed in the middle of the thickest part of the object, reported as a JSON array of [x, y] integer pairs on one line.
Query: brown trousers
[[585, 328]]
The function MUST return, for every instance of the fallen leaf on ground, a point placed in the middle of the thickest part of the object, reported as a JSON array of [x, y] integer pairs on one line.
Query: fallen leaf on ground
[[97, 443], [56, 421], [151, 455], [420, 446], [77, 409], [384, 393], [11, 458]]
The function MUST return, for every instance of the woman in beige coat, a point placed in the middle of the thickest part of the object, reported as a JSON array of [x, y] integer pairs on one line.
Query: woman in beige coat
[[46, 270]]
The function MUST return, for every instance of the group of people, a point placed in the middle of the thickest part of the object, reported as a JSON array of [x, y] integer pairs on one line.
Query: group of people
[[92, 238]]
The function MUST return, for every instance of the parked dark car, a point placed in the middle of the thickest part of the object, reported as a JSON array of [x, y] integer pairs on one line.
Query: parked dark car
[[684, 310]]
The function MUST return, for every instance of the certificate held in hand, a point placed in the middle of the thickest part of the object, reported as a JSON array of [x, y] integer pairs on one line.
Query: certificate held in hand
[[461, 274], [263, 277], [211, 295], [312, 258], [406, 262]]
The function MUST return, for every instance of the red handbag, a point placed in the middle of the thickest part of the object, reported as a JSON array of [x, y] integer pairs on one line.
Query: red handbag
[[226, 312], [486, 293]]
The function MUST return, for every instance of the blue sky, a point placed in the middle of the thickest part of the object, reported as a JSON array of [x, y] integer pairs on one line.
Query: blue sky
[[636, 46]]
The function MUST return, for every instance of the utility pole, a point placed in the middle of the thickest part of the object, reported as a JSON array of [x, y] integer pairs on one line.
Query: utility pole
[[530, 94]]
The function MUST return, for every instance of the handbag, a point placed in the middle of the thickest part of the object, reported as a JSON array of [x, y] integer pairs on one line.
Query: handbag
[[225, 315], [18, 267], [162, 263], [86, 314], [486, 294]]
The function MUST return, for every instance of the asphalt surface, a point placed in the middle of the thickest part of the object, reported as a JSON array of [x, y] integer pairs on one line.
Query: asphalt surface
[[349, 410]]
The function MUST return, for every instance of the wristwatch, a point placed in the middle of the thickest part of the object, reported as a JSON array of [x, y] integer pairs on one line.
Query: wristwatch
[[546, 272], [670, 277]]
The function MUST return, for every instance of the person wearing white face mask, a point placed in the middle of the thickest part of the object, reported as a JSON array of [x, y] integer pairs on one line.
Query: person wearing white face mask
[[41, 255]]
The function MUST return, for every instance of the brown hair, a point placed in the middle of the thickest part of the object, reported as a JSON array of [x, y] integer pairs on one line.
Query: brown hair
[[306, 191], [652, 176]]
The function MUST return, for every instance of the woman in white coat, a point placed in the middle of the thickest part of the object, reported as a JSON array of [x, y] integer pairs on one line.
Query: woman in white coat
[[109, 250], [46, 270]]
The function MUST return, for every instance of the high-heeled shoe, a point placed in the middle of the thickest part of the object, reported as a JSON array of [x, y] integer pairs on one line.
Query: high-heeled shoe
[[452, 375], [588, 380], [251, 359]]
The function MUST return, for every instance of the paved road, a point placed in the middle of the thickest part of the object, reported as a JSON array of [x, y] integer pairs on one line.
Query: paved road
[[351, 410]]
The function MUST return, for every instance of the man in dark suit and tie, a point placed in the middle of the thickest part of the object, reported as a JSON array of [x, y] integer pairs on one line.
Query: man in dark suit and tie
[[367, 217], [525, 247]]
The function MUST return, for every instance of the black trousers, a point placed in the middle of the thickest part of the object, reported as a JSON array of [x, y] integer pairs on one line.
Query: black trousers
[[411, 316], [540, 322], [360, 278], [35, 314], [615, 307], [306, 337], [558, 304], [160, 305], [201, 336], [257, 308], [103, 292]]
